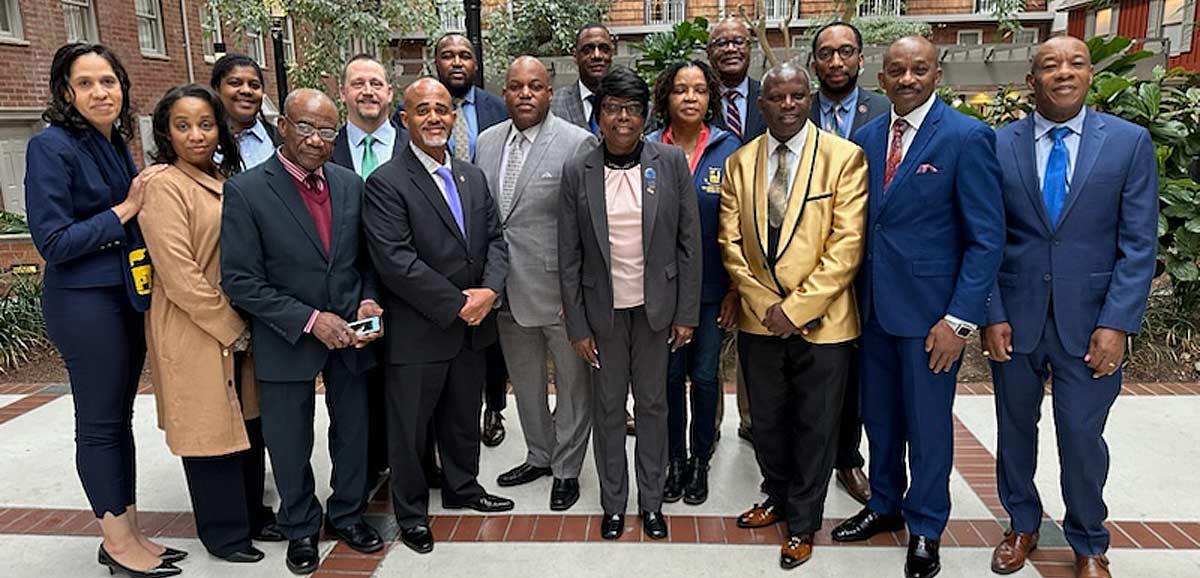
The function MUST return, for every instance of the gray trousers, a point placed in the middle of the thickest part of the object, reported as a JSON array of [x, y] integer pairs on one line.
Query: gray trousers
[[557, 439], [632, 354]]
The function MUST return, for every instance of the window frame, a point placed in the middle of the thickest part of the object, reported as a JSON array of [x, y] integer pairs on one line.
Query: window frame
[[12, 9], [208, 11], [958, 37], [92, 31], [156, 20]]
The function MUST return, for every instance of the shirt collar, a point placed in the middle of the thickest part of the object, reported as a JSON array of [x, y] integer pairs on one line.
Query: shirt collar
[[847, 103], [1042, 125], [385, 134], [917, 116], [257, 130], [298, 172], [584, 91], [430, 164], [794, 144], [530, 133], [743, 88], [469, 97]]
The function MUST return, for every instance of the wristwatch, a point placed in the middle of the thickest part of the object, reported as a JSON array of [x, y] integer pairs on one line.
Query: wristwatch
[[961, 328]]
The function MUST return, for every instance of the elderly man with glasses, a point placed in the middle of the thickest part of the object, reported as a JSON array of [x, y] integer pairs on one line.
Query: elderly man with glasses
[[729, 55]]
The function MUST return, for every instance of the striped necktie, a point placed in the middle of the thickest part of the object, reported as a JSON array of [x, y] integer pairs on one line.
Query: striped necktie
[[733, 118]]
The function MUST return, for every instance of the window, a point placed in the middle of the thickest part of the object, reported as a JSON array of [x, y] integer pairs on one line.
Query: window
[[985, 6], [970, 37], [1026, 36], [777, 9], [10, 19], [359, 46], [1172, 25], [289, 42], [210, 31], [80, 21], [664, 11], [1104, 23], [879, 7], [255, 48], [452, 17], [150, 31]]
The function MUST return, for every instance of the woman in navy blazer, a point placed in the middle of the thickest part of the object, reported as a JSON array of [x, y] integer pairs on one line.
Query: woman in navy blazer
[[687, 97], [82, 208]]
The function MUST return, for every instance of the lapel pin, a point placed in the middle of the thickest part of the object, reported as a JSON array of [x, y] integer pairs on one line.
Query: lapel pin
[[862, 109], [650, 180]]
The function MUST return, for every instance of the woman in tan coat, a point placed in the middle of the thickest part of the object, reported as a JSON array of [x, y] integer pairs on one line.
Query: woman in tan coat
[[196, 340]]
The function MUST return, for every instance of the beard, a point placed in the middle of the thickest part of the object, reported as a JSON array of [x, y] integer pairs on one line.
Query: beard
[[437, 141]]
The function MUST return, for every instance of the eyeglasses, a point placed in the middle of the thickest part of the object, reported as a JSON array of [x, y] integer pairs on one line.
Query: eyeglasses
[[307, 130], [738, 41], [846, 52], [616, 108]]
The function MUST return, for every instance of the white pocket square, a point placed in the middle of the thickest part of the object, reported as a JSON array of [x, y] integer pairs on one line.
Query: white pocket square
[[547, 175]]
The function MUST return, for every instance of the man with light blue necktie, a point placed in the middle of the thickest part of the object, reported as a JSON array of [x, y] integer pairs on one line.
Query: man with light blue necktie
[[1081, 205]]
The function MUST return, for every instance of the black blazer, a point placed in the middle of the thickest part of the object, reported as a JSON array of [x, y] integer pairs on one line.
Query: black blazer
[[754, 123], [425, 263], [870, 105], [274, 267], [341, 145]]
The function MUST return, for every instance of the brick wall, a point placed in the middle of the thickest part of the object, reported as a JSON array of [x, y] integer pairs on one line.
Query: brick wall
[[18, 250]]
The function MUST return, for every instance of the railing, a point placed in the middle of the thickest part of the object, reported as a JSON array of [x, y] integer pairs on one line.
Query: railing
[[985, 6], [777, 9], [879, 7], [665, 11], [453, 19]]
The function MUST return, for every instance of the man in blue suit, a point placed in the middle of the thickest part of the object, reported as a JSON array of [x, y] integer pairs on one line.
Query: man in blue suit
[[935, 236], [1073, 283]]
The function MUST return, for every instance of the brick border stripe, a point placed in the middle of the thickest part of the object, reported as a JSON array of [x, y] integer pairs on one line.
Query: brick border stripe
[[1132, 389]]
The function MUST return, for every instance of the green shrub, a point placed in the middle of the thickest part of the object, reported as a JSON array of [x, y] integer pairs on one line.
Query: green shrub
[[22, 327], [12, 223]]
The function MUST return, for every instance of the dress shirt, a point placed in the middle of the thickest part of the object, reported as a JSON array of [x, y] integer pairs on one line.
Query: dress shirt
[[254, 146], [623, 200], [468, 108], [741, 102], [849, 109], [795, 147], [531, 135], [1043, 142], [584, 93], [385, 139], [914, 119], [432, 166]]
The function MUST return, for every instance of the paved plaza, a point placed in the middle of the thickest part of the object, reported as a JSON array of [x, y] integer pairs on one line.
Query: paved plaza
[[46, 528]]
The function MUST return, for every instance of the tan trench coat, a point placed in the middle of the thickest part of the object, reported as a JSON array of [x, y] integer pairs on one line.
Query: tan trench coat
[[191, 324]]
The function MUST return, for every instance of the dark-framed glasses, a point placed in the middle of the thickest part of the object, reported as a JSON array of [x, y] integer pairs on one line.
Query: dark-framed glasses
[[616, 108], [738, 41], [825, 54]]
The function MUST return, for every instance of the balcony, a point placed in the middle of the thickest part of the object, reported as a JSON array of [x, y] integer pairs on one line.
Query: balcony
[[452, 17], [665, 11], [879, 7], [776, 10], [985, 6]]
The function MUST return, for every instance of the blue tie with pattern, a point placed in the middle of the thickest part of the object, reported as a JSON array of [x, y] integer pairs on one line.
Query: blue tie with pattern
[[1054, 183]]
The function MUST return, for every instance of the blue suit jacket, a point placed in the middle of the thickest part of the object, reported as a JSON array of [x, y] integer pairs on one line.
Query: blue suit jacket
[[1097, 263], [935, 240]]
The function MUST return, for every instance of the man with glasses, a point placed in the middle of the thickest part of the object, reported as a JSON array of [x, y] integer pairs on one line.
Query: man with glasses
[[292, 261], [594, 49], [729, 55], [841, 108]]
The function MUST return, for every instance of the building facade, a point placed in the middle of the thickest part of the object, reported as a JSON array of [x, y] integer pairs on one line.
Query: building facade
[[1169, 22]]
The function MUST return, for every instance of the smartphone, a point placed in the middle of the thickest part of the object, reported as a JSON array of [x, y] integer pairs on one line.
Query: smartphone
[[366, 326]]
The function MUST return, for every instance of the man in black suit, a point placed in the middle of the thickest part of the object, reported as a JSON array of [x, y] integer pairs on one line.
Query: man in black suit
[[576, 102], [729, 55], [841, 107], [434, 235], [292, 259]]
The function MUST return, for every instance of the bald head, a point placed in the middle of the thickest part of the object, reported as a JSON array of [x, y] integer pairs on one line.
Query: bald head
[[729, 50], [785, 71], [428, 116], [785, 99], [308, 97], [910, 73], [909, 45], [1058, 45], [527, 92], [1059, 77], [307, 114]]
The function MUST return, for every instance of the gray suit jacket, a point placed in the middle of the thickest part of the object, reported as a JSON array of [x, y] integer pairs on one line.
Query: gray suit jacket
[[530, 225], [870, 105], [567, 104], [670, 242]]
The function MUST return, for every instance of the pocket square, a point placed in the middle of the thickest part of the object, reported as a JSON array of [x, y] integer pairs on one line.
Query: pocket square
[[926, 168], [547, 175]]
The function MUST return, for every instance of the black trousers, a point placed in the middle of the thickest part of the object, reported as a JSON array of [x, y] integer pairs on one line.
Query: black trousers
[[103, 344], [496, 387], [796, 390], [287, 409], [377, 453], [446, 393], [851, 429]]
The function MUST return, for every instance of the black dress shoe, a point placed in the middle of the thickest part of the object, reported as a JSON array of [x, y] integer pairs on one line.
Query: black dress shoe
[[171, 555], [302, 555], [269, 533], [522, 474], [248, 556], [676, 476], [564, 494], [612, 526], [161, 571], [865, 524], [654, 525], [493, 429], [418, 538], [695, 491], [485, 503], [923, 560], [359, 535], [745, 433]]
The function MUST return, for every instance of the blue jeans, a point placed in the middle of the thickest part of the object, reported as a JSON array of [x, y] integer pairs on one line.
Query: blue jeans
[[699, 360]]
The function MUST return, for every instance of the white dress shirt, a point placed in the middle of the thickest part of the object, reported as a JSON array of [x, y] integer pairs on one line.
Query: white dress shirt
[[584, 93], [914, 118]]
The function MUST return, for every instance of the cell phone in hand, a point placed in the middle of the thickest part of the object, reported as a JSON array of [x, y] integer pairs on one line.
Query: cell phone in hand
[[366, 326]]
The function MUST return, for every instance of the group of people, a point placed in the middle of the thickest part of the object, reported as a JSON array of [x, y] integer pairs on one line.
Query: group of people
[[855, 242]]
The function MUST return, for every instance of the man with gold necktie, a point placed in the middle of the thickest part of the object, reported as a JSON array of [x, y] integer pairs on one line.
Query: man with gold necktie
[[793, 208]]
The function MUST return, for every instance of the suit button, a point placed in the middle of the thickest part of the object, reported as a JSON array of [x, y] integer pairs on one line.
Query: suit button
[[1057, 242], [869, 256], [224, 353], [470, 261], [1047, 277], [878, 227]]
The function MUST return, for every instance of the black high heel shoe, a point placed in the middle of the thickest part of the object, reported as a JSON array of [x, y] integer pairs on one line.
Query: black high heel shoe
[[171, 555], [161, 571]]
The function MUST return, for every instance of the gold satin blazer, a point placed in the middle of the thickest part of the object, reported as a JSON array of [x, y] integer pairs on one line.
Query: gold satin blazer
[[821, 241]]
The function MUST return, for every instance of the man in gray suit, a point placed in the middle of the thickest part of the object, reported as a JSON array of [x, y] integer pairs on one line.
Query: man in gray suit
[[523, 159], [594, 49]]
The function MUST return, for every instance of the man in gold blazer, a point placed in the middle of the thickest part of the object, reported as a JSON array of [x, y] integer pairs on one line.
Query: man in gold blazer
[[793, 209]]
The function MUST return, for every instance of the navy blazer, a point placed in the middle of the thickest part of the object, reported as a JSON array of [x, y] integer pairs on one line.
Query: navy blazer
[[1097, 262], [274, 267], [341, 145], [754, 123], [935, 240], [69, 192], [489, 110]]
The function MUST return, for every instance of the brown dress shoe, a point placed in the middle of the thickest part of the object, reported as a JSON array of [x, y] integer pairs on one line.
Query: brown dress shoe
[[796, 551], [856, 484], [1011, 553], [761, 515], [1091, 566]]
